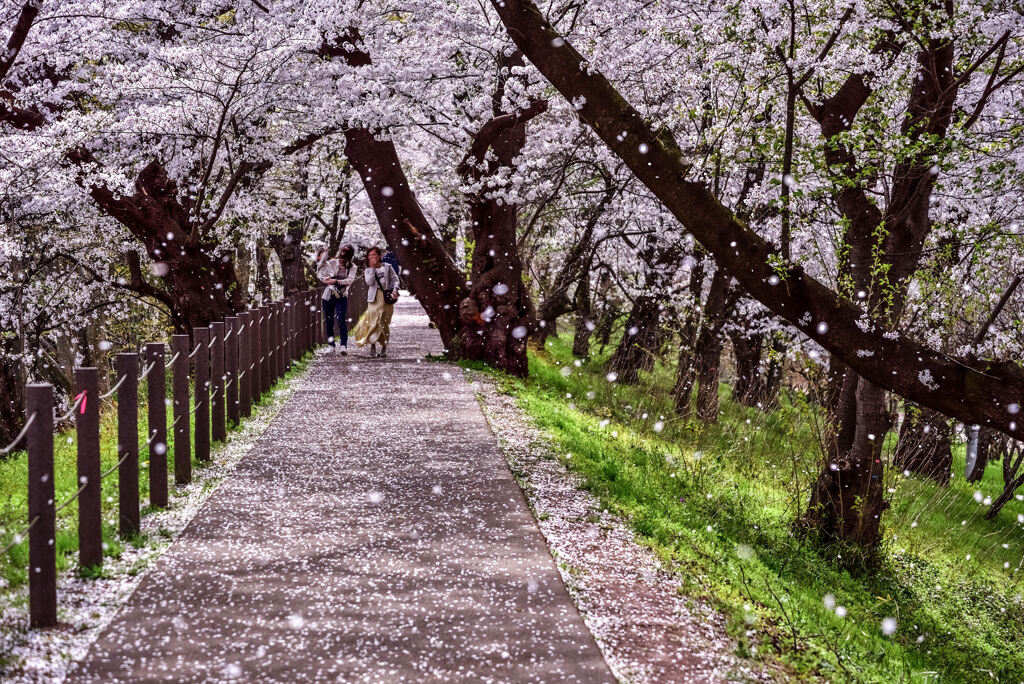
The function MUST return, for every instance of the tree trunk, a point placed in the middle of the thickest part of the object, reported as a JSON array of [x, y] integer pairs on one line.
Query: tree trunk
[[848, 498], [12, 399], [1013, 478], [748, 349], [772, 383], [924, 445], [264, 286], [639, 343], [584, 326], [701, 364], [497, 314], [709, 361], [199, 286], [988, 442], [288, 247]]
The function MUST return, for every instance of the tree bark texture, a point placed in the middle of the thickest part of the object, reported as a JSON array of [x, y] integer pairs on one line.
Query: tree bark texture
[[925, 444]]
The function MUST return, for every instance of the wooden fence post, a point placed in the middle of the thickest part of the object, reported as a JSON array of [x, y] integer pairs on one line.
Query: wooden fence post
[[156, 400], [286, 339], [231, 368], [291, 333], [201, 391], [273, 353], [289, 343], [277, 361], [244, 364], [128, 443], [311, 318], [87, 427], [256, 351], [266, 340], [319, 317], [218, 429], [182, 437], [42, 551]]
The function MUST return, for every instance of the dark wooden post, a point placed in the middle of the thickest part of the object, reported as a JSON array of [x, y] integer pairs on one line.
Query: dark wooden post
[[245, 364], [231, 368], [290, 330], [286, 314], [87, 426], [266, 338], [201, 390], [182, 438], [286, 343], [258, 347], [276, 360], [297, 319], [311, 319], [218, 428], [42, 551], [128, 444], [156, 399]]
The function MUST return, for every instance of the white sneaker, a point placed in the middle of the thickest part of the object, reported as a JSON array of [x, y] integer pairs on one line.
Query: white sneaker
[[343, 350]]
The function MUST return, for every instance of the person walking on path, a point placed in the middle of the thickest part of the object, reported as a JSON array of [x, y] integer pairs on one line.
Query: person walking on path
[[337, 274], [381, 294]]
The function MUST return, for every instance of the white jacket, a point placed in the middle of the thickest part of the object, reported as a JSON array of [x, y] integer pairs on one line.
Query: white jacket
[[332, 268], [388, 278]]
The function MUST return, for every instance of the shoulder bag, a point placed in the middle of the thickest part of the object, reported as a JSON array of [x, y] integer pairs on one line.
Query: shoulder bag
[[389, 298]]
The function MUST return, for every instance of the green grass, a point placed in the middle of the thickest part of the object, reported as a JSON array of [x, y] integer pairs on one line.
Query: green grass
[[717, 503], [14, 477]]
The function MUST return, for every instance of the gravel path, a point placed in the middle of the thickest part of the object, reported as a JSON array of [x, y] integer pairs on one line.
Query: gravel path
[[647, 631], [373, 533]]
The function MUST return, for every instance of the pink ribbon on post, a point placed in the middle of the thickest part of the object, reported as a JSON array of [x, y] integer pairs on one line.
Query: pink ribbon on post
[[84, 398]]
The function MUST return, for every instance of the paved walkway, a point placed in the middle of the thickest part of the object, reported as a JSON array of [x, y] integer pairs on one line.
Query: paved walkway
[[373, 534]]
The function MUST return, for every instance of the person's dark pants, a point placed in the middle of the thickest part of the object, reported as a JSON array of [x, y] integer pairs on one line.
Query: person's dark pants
[[336, 310]]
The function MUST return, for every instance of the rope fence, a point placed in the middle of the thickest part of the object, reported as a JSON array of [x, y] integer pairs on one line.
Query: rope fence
[[78, 402], [24, 431], [114, 388], [207, 389]]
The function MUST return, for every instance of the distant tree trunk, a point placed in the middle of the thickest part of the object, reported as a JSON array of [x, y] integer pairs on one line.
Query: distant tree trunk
[[264, 289], [682, 389], [1013, 478], [924, 446], [988, 443], [639, 342], [578, 260], [748, 349], [12, 399], [773, 376], [288, 247], [709, 361], [703, 362], [584, 326]]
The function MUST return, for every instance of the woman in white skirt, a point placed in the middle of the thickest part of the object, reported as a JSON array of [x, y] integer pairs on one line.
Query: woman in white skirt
[[381, 294]]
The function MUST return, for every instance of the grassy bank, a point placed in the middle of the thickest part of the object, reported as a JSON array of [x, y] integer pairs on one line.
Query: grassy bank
[[717, 503], [14, 478]]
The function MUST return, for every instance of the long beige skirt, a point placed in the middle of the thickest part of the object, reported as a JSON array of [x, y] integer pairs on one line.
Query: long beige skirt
[[374, 327]]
